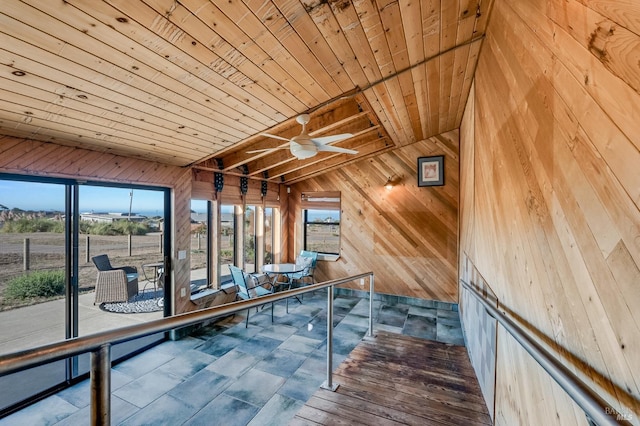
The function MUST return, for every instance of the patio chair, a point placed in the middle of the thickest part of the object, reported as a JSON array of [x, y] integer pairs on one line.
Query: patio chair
[[114, 284], [309, 260], [249, 291]]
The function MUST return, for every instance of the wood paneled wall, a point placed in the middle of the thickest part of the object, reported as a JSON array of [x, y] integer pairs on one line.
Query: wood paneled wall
[[35, 158], [550, 205], [407, 236]]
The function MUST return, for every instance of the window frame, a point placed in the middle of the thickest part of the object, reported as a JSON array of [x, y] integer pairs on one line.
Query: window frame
[[324, 201]]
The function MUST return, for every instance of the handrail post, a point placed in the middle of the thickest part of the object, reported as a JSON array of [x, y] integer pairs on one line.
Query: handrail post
[[329, 385], [101, 385], [371, 292]]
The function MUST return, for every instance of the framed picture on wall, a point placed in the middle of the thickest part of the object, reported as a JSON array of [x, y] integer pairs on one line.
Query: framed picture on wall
[[431, 171]]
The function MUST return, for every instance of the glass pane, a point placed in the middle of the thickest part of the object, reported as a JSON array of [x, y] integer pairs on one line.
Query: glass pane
[[123, 226], [268, 235], [322, 231], [199, 244], [227, 241], [32, 264], [32, 281], [250, 239]]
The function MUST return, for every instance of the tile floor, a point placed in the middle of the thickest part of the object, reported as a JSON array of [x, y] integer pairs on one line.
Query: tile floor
[[228, 374]]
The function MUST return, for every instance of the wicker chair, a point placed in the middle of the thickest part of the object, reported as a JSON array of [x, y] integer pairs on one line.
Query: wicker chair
[[114, 284]]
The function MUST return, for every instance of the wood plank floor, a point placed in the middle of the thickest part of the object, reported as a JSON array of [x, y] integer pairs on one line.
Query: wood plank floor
[[393, 379]]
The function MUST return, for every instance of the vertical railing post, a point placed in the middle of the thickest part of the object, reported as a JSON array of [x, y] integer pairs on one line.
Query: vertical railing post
[[329, 383], [101, 385], [25, 254], [371, 293]]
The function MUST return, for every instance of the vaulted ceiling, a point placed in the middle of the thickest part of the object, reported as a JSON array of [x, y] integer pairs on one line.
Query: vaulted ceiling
[[196, 82]]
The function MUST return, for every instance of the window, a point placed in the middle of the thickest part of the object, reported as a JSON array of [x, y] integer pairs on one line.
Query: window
[[268, 235], [250, 239], [321, 216]]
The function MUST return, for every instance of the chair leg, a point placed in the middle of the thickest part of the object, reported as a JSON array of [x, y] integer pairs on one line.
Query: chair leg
[[271, 312], [246, 324]]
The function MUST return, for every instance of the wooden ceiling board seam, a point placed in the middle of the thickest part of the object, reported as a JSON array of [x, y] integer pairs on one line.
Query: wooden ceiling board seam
[[433, 84], [461, 60], [347, 18], [98, 70], [66, 124], [449, 12], [470, 71], [143, 59], [72, 83], [32, 126], [306, 29], [431, 21], [401, 120], [264, 70], [76, 106], [220, 59], [197, 61], [446, 80], [259, 66], [257, 42], [394, 32], [377, 108], [371, 23], [239, 105], [33, 107], [282, 32], [411, 19], [421, 89], [331, 31], [467, 21]]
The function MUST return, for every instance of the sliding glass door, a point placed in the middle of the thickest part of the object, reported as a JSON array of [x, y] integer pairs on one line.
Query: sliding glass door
[[50, 231]]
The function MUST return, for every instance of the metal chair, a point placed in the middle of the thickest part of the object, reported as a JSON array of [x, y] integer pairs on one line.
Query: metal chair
[[309, 260], [114, 284], [246, 292]]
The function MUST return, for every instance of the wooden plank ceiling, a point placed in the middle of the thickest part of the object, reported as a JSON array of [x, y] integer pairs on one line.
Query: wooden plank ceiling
[[195, 82]]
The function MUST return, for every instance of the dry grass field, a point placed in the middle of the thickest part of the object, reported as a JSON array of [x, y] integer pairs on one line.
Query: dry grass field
[[46, 252]]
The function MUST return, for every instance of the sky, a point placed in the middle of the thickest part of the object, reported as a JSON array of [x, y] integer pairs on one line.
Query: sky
[[50, 197], [98, 199]]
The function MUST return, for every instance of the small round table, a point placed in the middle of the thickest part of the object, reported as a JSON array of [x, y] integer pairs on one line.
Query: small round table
[[154, 280], [285, 269]]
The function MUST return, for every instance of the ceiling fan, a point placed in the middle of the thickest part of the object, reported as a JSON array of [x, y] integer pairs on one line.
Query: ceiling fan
[[304, 146]]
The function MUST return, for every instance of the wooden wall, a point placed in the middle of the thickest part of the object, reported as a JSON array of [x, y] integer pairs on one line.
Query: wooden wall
[[34, 158], [407, 236], [550, 205]]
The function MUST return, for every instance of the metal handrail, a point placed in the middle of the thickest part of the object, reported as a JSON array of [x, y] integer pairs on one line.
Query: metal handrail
[[596, 408], [99, 344]]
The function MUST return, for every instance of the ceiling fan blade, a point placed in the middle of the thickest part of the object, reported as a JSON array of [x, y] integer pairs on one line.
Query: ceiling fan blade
[[328, 139], [269, 135], [255, 151], [331, 148]]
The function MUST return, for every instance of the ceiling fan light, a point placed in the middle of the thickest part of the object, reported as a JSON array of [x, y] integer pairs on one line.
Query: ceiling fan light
[[303, 151]]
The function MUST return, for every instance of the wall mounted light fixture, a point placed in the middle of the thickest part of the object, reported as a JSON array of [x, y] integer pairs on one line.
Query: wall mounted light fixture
[[389, 184]]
